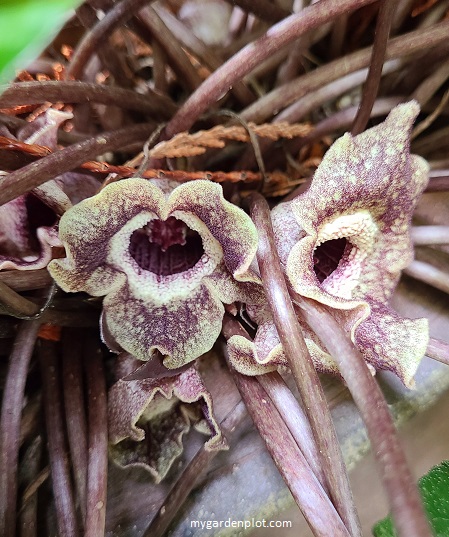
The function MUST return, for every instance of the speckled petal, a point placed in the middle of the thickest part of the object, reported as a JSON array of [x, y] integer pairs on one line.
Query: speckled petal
[[148, 419], [390, 342], [228, 224], [87, 229], [181, 330]]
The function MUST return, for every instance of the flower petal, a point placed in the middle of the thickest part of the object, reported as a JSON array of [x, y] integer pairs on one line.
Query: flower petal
[[181, 329], [148, 419], [229, 225]]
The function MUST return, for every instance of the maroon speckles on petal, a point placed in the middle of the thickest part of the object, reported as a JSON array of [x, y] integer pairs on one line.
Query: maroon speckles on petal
[[166, 247], [327, 256]]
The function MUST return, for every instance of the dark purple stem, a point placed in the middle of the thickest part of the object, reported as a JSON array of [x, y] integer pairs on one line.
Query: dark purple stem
[[11, 412], [245, 60], [59, 162], [301, 366], [72, 378], [371, 86], [316, 507], [73, 91], [57, 445], [97, 470], [403, 495], [119, 14]]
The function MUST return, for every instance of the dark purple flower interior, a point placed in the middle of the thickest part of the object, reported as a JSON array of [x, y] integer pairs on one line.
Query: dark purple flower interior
[[166, 247], [327, 256]]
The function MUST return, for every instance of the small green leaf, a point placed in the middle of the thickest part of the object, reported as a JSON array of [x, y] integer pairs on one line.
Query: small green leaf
[[434, 488], [26, 27]]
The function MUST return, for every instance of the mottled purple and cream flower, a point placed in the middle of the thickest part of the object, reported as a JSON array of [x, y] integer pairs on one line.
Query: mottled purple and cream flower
[[167, 256], [27, 223], [149, 418], [344, 243]]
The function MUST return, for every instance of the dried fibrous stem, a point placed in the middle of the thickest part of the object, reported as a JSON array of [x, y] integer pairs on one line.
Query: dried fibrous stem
[[73, 91], [20, 280], [425, 91], [263, 9], [287, 405], [97, 469], [30, 422], [371, 86], [150, 21], [438, 350], [301, 365], [427, 273], [75, 413], [191, 475], [119, 14], [57, 445], [281, 97], [250, 56], [427, 235], [12, 405], [30, 467], [34, 174], [14, 304], [403, 495], [316, 507]]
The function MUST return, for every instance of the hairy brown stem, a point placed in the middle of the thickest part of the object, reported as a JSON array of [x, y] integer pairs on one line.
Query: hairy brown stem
[[398, 481], [57, 445], [97, 469], [72, 376], [11, 412], [59, 162], [371, 86], [302, 366]]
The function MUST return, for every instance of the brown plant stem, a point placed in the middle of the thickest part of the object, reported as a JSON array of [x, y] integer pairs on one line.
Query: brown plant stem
[[191, 475], [20, 280], [59, 162], [438, 184], [241, 91], [72, 379], [10, 421], [250, 56], [119, 14], [97, 469], [426, 90], [313, 502], [427, 273], [402, 492], [371, 86], [263, 9], [281, 97], [148, 21], [301, 365], [288, 407], [425, 235], [438, 350], [56, 441], [30, 467], [73, 91], [15, 304]]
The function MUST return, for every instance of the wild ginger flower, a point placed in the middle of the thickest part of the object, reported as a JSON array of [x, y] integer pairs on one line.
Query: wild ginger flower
[[27, 223], [166, 257], [148, 418], [344, 243]]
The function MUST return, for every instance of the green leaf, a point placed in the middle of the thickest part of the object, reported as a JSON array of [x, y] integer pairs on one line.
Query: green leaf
[[434, 488], [26, 27]]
